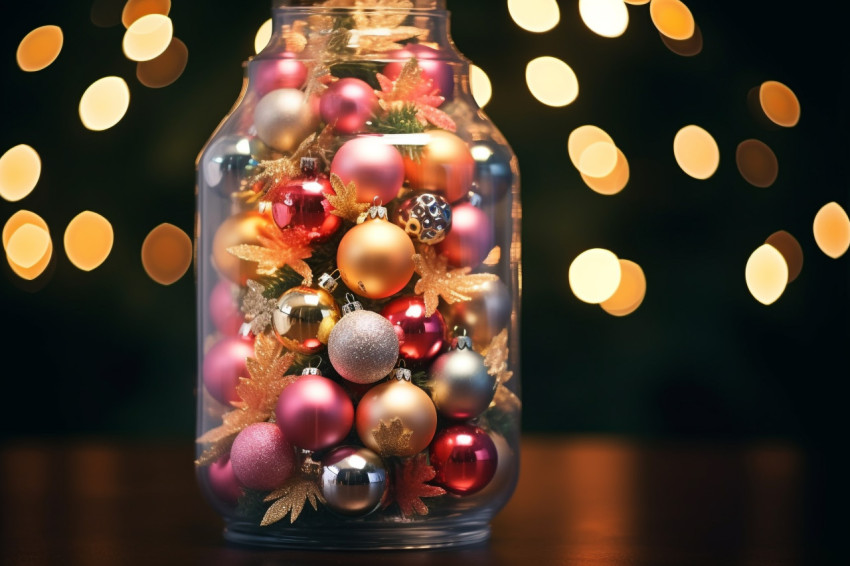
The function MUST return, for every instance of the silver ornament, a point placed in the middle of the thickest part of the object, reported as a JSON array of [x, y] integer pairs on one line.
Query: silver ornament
[[283, 119], [460, 385], [227, 163], [354, 480], [363, 345], [425, 217]]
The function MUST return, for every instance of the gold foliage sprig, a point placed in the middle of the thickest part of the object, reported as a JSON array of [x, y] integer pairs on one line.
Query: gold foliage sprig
[[436, 280], [278, 248], [344, 201]]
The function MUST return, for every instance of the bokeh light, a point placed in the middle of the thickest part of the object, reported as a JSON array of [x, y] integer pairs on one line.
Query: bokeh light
[[757, 163], [766, 274], [15, 222], [612, 183], [598, 160], [137, 9], [165, 69], [88, 240], [583, 137], [779, 103], [39, 48], [791, 250], [684, 47], [263, 36], [166, 253], [551, 81], [595, 275], [637, 2], [696, 152], [27, 245], [148, 37], [672, 18], [630, 293], [535, 15], [608, 18], [832, 230], [479, 84], [104, 103], [20, 169]]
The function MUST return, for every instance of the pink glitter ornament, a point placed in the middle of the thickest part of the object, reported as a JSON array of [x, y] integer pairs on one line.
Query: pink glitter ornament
[[261, 458], [223, 365]]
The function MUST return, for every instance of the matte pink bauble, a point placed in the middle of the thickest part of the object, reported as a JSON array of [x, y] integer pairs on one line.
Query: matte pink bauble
[[421, 337], [261, 457], [224, 364], [271, 74], [302, 203], [471, 237], [223, 481], [314, 413], [376, 168], [347, 104], [432, 67], [224, 309], [464, 458]]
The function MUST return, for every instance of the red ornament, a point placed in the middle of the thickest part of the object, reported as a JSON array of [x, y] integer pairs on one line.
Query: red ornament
[[433, 67], [375, 168], [302, 203], [271, 74], [471, 237], [421, 337], [314, 413], [465, 459], [347, 105], [223, 365]]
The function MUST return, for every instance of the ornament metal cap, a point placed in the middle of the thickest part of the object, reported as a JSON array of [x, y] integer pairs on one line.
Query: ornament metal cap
[[351, 305], [311, 371], [474, 199], [328, 282], [309, 165], [402, 374], [376, 210], [462, 343]]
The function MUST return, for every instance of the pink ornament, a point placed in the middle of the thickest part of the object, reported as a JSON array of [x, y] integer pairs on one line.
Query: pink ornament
[[347, 104], [271, 74], [261, 458], [224, 309], [223, 481], [303, 203], [314, 413], [223, 365], [429, 61], [464, 458], [375, 167], [471, 237], [421, 337]]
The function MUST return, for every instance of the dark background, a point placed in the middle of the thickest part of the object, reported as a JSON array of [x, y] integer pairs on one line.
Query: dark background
[[112, 353]]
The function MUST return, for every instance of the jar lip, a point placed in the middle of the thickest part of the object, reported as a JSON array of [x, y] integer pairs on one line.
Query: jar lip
[[332, 5]]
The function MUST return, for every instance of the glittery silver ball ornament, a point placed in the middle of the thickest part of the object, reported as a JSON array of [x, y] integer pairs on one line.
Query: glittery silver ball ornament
[[363, 345], [283, 118], [460, 385], [354, 480], [425, 217]]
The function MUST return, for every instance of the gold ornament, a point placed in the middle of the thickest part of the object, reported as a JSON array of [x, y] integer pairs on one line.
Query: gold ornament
[[290, 500], [298, 317], [445, 165], [411, 87], [240, 229], [406, 408], [278, 248], [344, 201], [483, 316], [411, 485], [436, 281]]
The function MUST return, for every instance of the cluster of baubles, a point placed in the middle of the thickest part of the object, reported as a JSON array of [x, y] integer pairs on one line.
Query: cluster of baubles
[[342, 419]]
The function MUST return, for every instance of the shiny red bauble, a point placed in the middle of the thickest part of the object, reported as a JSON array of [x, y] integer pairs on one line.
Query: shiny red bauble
[[421, 337], [464, 458], [347, 105], [429, 61], [271, 74], [314, 413], [470, 238], [223, 365], [302, 203]]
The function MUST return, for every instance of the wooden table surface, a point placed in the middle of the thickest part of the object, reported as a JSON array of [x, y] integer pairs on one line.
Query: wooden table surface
[[580, 500]]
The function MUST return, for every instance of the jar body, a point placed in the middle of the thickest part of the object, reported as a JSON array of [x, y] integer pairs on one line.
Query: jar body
[[346, 110]]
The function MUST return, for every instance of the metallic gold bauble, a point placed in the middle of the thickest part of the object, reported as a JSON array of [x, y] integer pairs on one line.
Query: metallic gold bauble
[[483, 317], [284, 117], [242, 228], [397, 400], [445, 165], [460, 385], [354, 480], [363, 346], [375, 259], [299, 321]]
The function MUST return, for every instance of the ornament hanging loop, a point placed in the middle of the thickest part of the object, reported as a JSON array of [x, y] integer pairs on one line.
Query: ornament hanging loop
[[461, 341], [402, 374], [351, 304], [328, 281], [310, 369], [377, 210]]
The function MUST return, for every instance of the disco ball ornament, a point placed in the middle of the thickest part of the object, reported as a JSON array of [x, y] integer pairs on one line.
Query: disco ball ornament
[[425, 217]]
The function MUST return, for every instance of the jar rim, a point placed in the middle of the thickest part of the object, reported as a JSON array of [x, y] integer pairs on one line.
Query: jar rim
[[416, 5]]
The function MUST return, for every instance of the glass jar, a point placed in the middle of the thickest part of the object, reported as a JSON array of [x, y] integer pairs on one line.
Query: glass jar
[[358, 261]]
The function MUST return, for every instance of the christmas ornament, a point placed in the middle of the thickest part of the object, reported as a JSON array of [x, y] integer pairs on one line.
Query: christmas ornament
[[257, 308], [436, 281], [223, 365], [347, 104], [396, 418], [444, 165], [459, 382], [276, 249], [228, 164], [494, 173], [242, 228], [504, 478], [425, 217], [344, 200], [464, 458], [301, 314], [314, 412], [471, 237], [261, 458], [410, 485], [421, 337], [485, 314], [411, 89], [223, 481], [290, 499], [354, 480], [429, 60], [363, 345], [375, 258], [375, 168], [224, 309], [284, 117], [302, 203], [272, 74]]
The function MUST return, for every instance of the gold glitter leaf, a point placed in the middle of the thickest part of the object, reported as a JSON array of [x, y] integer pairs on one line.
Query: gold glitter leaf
[[411, 484], [344, 201], [496, 357], [290, 500], [493, 257], [273, 172], [437, 281], [278, 248], [392, 439], [257, 308]]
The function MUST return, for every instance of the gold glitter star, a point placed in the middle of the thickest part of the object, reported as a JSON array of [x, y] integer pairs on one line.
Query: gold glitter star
[[437, 281], [392, 439]]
